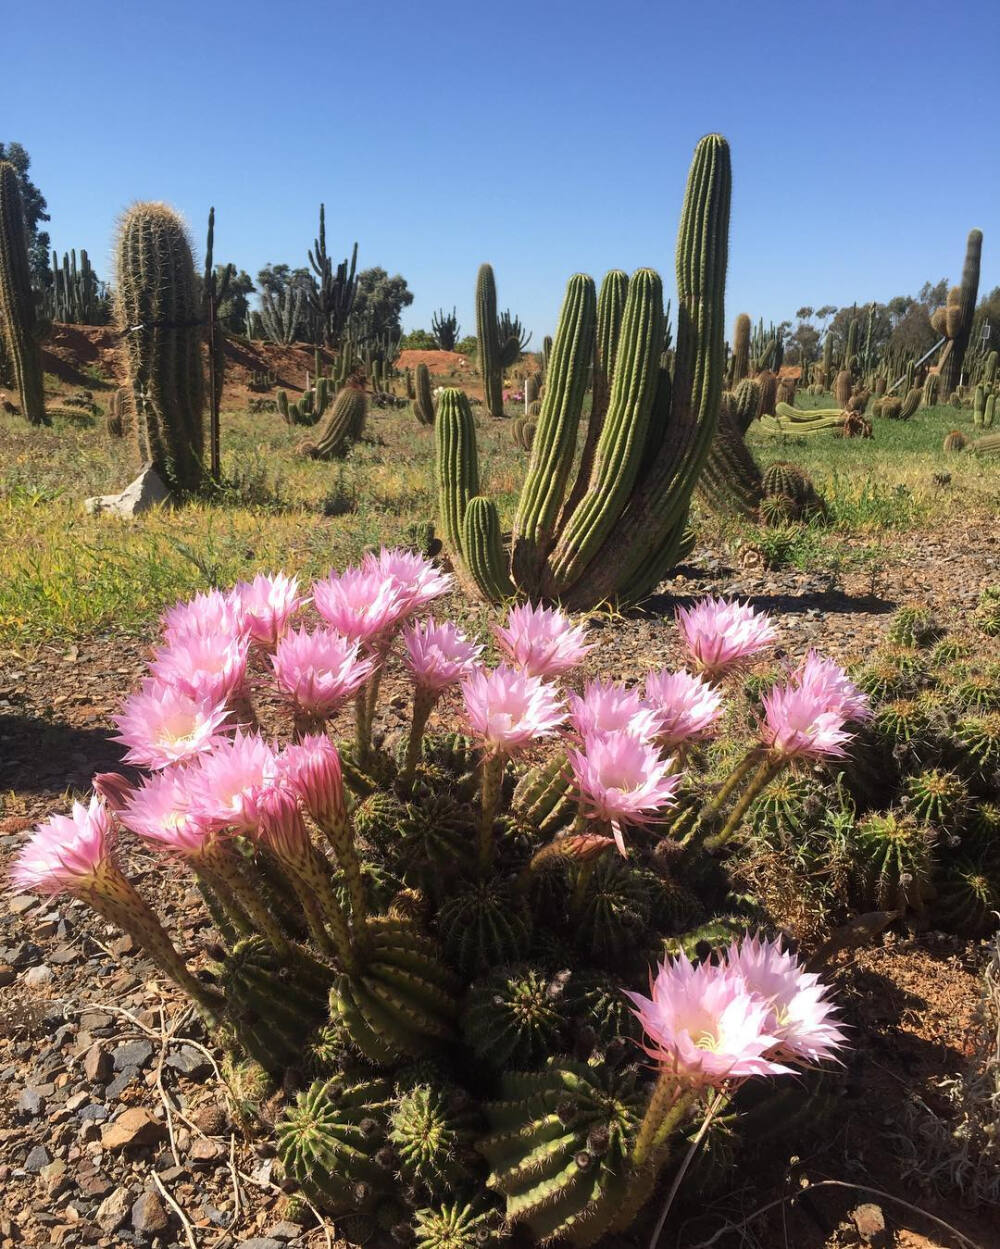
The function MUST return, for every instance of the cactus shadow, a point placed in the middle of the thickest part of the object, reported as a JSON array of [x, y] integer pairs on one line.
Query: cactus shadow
[[47, 756], [834, 601]]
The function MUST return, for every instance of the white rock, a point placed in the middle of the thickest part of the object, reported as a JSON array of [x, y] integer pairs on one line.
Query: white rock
[[146, 492]]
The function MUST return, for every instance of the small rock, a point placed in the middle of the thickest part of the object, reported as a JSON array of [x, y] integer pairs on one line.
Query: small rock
[[123, 945], [120, 1083], [212, 1120], [132, 1054], [7, 975], [21, 903], [135, 1126], [149, 1215], [94, 1113], [96, 1064], [113, 1211], [261, 1242], [94, 1021], [38, 977], [55, 1178], [29, 1104], [870, 1222], [37, 1158], [285, 1230], [147, 491], [205, 1153], [189, 1062]]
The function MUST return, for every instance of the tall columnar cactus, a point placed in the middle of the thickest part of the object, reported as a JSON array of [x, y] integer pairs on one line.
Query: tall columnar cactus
[[490, 365], [344, 425], [741, 350], [457, 463], [610, 310], [616, 537], [423, 400], [158, 311], [16, 300], [826, 379], [954, 321]]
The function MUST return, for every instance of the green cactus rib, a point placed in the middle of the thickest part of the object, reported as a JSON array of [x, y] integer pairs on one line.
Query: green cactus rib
[[158, 311], [650, 531], [544, 797], [457, 462], [329, 1140], [423, 401], [457, 1226], [555, 437], [741, 348], [433, 1130], [344, 424], [611, 302], [731, 480], [952, 360], [483, 550], [401, 1003], [490, 364], [17, 306], [618, 454]]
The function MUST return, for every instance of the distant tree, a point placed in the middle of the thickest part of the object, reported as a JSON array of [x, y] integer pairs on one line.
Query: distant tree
[[379, 303], [899, 306], [234, 308], [418, 340], [989, 311], [468, 346], [804, 314], [824, 314], [34, 205], [935, 294], [803, 344], [912, 334], [276, 278]]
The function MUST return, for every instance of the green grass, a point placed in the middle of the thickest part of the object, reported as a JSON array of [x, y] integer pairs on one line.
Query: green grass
[[68, 575]]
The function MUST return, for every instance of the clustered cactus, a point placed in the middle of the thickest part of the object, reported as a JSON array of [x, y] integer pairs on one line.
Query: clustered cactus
[[438, 949], [616, 528]]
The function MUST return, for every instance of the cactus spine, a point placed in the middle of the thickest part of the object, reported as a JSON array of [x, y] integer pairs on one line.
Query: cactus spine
[[16, 300], [159, 317], [490, 365]]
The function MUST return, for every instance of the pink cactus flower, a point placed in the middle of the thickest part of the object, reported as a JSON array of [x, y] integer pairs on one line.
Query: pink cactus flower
[[283, 830], [829, 683], [542, 640], [797, 724], [162, 725], [438, 655], [704, 1023], [210, 613], [508, 709], [67, 853], [319, 670], [311, 769], [207, 667], [267, 604], [363, 604], [161, 813], [113, 789], [622, 781], [720, 636], [609, 707], [415, 578], [800, 1016], [225, 785], [687, 706]]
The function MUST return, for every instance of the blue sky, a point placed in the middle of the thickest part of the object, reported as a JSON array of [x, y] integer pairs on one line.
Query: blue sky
[[546, 138]]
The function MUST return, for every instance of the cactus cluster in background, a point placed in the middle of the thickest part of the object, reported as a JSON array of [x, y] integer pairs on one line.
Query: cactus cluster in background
[[616, 528], [17, 305], [446, 329]]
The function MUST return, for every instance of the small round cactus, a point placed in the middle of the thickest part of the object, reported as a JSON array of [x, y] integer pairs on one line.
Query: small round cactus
[[515, 1017], [968, 897], [980, 691], [455, 1225], [937, 797], [895, 856], [988, 611], [595, 1002], [913, 626], [978, 739], [614, 910], [484, 927], [432, 1130], [902, 722]]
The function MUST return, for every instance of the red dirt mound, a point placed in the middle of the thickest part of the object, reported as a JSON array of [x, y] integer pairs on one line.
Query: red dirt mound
[[436, 361]]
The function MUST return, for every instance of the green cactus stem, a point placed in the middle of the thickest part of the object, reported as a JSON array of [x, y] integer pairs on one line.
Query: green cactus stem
[[423, 398], [490, 347], [343, 426], [17, 305], [457, 462]]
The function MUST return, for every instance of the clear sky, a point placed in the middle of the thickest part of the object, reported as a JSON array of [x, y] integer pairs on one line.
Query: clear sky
[[545, 138]]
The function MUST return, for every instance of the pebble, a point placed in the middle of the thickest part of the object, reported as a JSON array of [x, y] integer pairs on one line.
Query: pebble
[[261, 1242], [113, 1210], [149, 1215], [120, 1083], [38, 977], [132, 1054], [189, 1062], [37, 1158], [205, 1153], [97, 1064], [7, 975], [285, 1230], [29, 1104], [135, 1126]]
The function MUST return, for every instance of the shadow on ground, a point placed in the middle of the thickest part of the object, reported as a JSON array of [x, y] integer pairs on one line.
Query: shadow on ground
[[40, 756]]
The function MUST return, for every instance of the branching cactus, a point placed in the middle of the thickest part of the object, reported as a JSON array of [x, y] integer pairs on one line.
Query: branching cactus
[[954, 320], [617, 528], [17, 307], [159, 316]]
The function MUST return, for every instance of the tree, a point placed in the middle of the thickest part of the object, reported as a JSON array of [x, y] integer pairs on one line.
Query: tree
[[803, 344], [234, 308], [804, 314], [934, 295], [418, 340], [379, 303], [913, 334], [33, 202], [824, 314]]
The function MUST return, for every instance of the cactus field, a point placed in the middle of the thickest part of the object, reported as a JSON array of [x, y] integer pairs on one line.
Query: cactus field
[[435, 704]]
